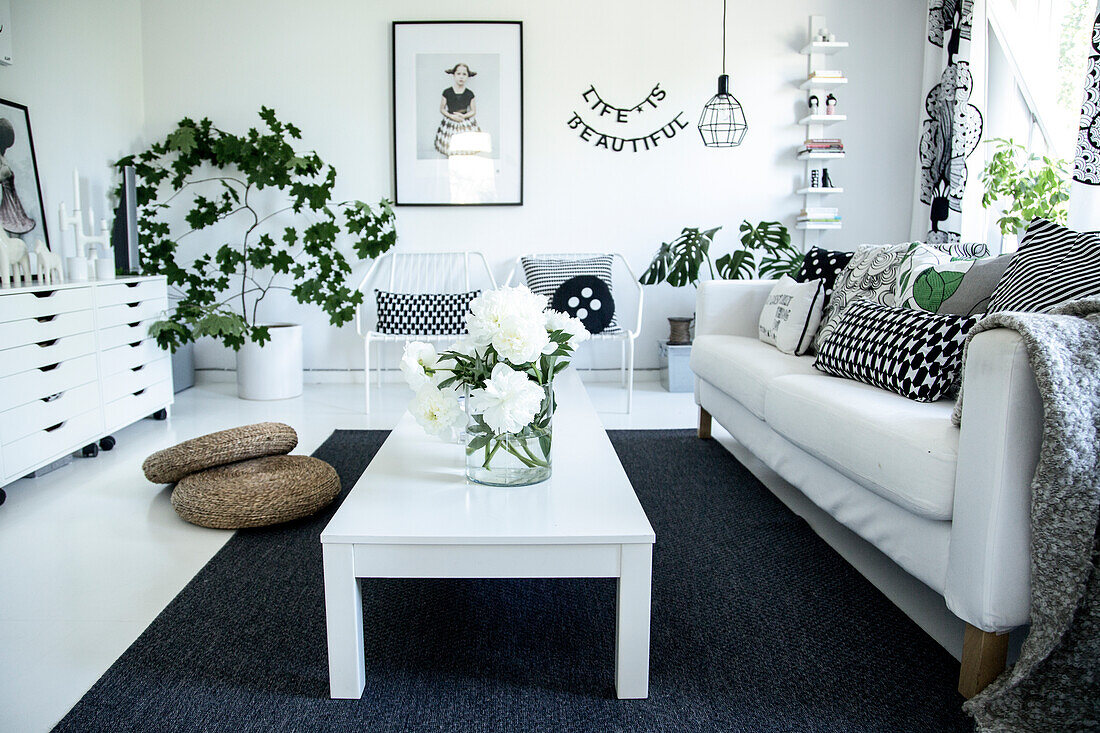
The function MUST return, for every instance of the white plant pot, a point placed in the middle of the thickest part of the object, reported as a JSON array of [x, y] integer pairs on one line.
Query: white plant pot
[[272, 371]]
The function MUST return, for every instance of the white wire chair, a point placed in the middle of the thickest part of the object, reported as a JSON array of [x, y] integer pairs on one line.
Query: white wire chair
[[417, 273], [625, 335]]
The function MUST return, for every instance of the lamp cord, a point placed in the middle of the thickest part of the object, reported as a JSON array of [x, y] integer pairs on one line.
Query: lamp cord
[[723, 36]]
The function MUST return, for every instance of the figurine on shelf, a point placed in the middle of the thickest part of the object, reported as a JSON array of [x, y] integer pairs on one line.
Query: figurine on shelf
[[822, 36], [830, 104], [815, 178], [15, 263], [826, 181], [814, 104], [50, 269]]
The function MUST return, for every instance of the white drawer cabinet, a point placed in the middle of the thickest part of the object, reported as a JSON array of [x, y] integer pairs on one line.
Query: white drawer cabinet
[[77, 363]]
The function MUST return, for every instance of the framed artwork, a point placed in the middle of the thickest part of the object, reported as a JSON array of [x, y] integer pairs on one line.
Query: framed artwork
[[458, 113], [22, 214]]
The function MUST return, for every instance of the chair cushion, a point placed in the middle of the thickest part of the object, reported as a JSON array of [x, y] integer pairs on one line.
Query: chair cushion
[[216, 449], [544, 275], [257, 492], [423, 314], [904, 451], [742, 366]]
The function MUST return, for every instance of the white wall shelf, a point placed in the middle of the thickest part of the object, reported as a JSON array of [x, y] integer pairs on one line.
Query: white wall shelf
[[823, 83], [824, 120], [818, 191], [819, 58], [824, 48]]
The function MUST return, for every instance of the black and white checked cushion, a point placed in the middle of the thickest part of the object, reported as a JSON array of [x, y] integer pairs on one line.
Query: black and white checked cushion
[[1054, 264], [824, 265], [545, 275], [423, 314], [911, 352]]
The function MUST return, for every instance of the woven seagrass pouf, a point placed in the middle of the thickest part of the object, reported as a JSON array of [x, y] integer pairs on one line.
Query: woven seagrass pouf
[[217, 449], [256, 492]]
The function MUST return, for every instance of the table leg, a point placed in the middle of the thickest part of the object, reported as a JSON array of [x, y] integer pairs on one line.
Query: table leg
[[632, 624], [344, 618]]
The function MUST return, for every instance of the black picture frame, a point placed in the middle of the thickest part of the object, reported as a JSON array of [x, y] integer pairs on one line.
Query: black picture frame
[[457, 164], [19, 177]]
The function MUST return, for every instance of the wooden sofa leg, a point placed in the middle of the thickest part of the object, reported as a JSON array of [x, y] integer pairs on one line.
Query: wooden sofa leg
[[704, 424], [983, 660]]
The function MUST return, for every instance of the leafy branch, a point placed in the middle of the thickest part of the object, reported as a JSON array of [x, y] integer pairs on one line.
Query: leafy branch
[[1034, 186], [224, 175], [766, 251]]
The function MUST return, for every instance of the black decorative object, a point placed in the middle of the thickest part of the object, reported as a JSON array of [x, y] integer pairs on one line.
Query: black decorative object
[[623, 115], [826, 180], [587, 298], [723, 123], [815, 178], [679, 330]]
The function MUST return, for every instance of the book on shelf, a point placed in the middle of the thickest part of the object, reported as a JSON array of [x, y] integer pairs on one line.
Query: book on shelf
[[822, 219], [827, 73], [819, 211]]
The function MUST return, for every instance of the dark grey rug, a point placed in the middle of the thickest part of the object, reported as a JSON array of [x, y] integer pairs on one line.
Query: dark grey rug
[[757, 626]]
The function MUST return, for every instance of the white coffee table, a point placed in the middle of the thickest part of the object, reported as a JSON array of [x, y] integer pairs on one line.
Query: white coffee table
[[412, 514]]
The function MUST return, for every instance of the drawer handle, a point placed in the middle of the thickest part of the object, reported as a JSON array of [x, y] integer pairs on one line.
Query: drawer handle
[[45, 344], [135, 344], [137, 368], [52, 428], [53, 397], [45, 319], [132, 285], [135, 324], [50, 367], [134, 304], [139, 393], [44, 293]]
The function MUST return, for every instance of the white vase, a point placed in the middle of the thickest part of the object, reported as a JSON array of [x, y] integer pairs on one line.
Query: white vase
[[272, 371]]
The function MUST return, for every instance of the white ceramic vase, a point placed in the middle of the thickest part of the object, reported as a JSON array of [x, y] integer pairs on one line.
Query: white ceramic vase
[[272, 371]]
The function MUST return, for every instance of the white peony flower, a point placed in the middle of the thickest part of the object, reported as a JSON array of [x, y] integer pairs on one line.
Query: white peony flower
[[420, 357], [436, 411], [558, 321], [520, 340], [490, 310], [509, 401]]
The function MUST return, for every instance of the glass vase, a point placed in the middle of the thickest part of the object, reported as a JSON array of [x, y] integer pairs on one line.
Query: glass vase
[[510, 459]]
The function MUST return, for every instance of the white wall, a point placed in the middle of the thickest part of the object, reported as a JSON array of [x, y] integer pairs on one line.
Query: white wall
[[78, 70], [325, 65]]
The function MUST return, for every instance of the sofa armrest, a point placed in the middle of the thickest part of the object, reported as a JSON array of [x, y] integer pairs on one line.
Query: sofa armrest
[[989, 566], [731, 307]]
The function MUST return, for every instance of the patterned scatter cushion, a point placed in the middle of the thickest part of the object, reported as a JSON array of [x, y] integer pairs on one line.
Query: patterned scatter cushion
[[959, 286], [545, 275], [1054, 264], [962, 250], [588, 299], [911, 352], [423, 314], [870, 275], [824, 265], [791, 315]]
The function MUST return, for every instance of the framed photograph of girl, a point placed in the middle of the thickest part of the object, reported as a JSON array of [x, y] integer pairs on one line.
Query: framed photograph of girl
[[22, 214], [458, 113]]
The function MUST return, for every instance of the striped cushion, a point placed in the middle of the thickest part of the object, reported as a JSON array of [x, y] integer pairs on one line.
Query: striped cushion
[[545, 275], [1054, 264]]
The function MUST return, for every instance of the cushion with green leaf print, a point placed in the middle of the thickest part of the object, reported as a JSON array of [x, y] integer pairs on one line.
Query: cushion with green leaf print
[[951, 285]]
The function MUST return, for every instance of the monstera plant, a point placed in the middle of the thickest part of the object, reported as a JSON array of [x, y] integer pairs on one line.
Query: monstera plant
[[262, 217], [766, 251]]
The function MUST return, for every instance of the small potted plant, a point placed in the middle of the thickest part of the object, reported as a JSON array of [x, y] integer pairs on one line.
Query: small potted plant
[[1027, 185], [203, 178]]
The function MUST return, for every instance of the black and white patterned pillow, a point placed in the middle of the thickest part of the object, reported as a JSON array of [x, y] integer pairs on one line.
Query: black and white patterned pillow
[[911, 352], [423, 314], [962, 250], [1054, 264], [824, 265], [545, 275]]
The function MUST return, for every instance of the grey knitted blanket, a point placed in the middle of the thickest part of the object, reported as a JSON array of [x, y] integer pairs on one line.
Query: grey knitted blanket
[[1055, 684]]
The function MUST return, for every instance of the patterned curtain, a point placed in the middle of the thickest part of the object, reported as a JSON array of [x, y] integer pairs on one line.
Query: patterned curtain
[[951, 126], [1084, 198]]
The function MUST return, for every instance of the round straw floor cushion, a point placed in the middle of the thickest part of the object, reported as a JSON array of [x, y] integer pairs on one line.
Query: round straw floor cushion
[[217, 449], [256, 492]]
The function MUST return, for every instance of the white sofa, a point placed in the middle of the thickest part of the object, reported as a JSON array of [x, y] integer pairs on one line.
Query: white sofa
[[950, 506]]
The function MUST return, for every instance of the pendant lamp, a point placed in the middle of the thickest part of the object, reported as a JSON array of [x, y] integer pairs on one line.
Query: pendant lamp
[[722, 123]]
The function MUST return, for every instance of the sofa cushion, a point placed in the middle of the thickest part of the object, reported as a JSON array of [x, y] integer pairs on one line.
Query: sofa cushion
[[742, 366], [904, 451]]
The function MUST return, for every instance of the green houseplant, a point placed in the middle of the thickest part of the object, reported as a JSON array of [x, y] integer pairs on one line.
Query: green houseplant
[[1029, 185], [270, 207], [766, 251]]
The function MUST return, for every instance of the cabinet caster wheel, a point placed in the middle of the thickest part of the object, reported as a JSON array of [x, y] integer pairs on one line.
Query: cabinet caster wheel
[[3, 495], [107, 443], [90, 451], [160, 414]]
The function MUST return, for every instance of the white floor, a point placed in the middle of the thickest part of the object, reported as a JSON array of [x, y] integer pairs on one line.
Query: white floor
[[91, 553]]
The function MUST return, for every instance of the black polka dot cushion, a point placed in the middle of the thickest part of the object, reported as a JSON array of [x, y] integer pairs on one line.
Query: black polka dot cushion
[[587, 298], [823, 264]]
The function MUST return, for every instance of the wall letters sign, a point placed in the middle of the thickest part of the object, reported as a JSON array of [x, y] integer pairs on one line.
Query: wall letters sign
[[623, 115]]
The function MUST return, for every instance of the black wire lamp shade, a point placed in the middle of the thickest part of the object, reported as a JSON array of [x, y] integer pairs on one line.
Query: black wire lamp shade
[[723, 123]]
